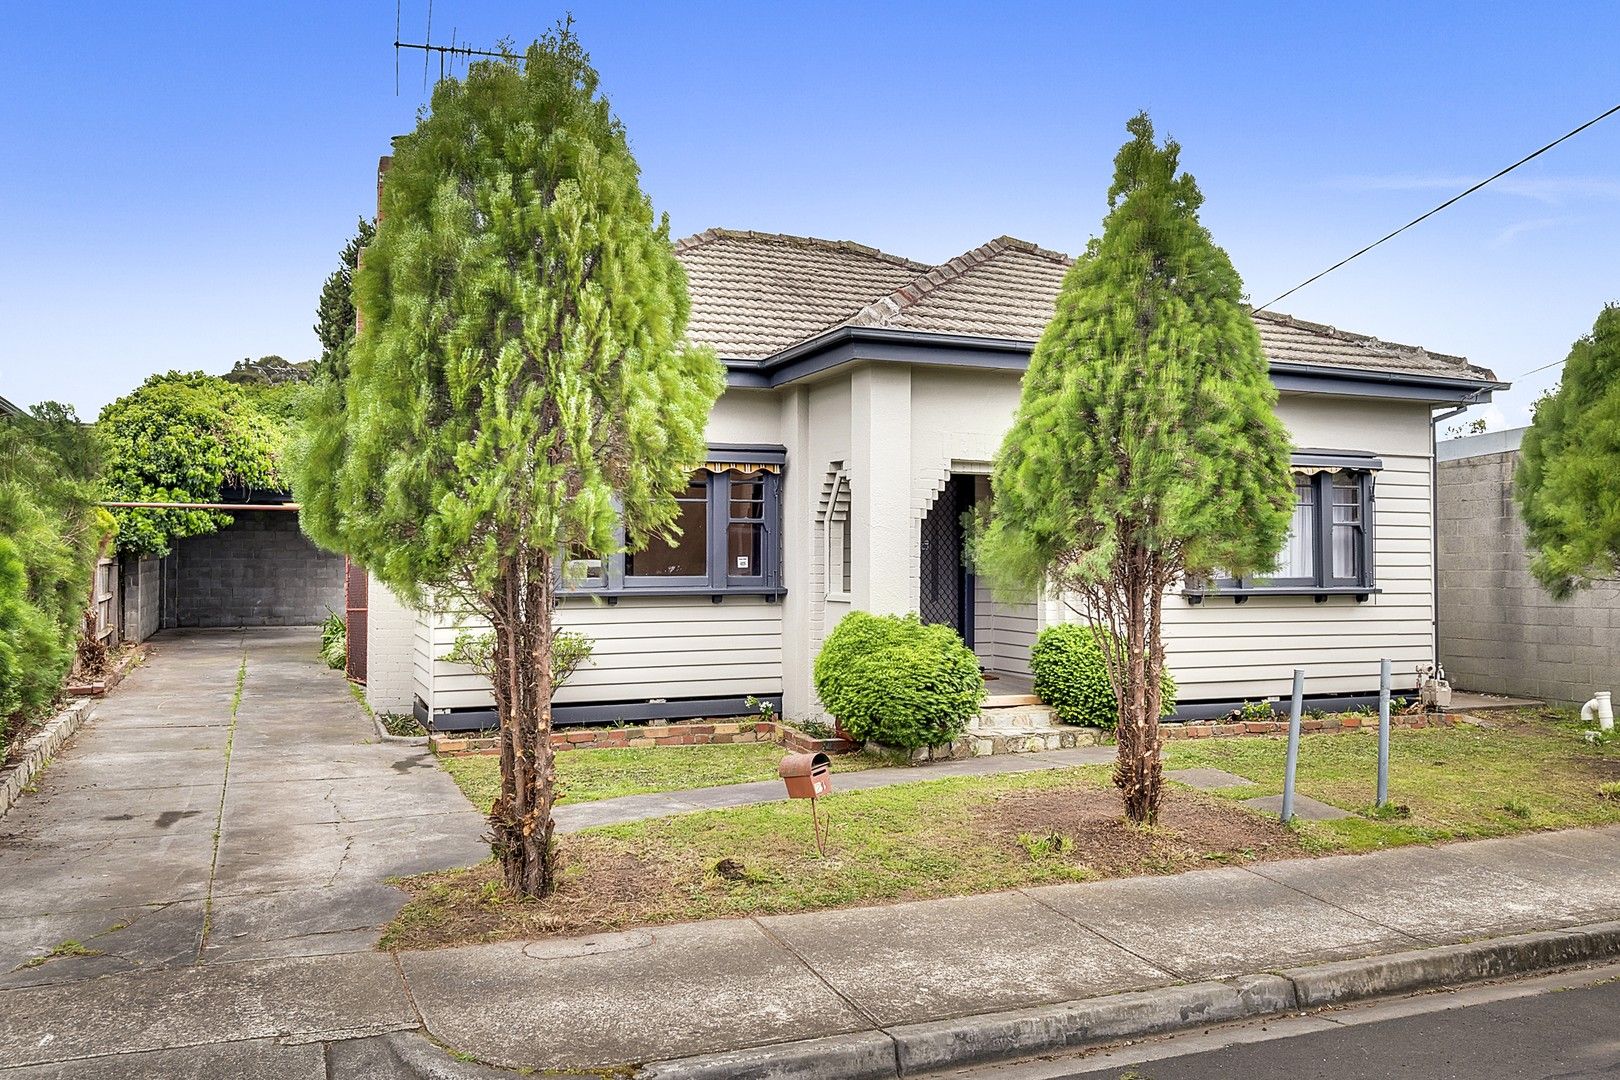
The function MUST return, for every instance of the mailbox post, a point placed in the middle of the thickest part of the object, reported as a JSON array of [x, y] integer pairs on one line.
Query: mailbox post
[[809, 776]]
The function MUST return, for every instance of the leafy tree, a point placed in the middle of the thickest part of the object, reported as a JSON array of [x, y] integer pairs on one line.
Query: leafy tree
[[183, 437], [1145, 446], [334, 315], [50, 534], [519, 386], [1566, 482]]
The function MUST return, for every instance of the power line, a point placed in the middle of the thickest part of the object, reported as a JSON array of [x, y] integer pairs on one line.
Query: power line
[[1455, 198]]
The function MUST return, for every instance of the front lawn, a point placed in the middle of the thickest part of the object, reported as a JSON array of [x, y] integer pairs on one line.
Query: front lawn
[[907, 841], [607, 773], [965, 835], [1534, 770]]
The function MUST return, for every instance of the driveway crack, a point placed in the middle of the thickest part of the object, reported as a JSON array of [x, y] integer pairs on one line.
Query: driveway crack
[[219, 819]]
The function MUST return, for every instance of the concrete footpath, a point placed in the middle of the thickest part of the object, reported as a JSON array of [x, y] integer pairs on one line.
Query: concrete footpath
[[867, 992]]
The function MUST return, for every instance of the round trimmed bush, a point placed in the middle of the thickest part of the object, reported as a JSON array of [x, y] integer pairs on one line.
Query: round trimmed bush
[[1070, 676], [898, 681]]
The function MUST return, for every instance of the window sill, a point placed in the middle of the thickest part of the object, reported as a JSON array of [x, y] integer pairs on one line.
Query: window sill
[[613, 596], [1319, 592]]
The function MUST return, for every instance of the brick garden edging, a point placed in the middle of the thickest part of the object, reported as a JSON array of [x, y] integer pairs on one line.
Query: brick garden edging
[[692, 733], [740, 730], [1208, 729]]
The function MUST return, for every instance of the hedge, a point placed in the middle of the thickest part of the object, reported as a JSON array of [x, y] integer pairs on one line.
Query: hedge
[[1071, 677], [898, 681], [50, 534]]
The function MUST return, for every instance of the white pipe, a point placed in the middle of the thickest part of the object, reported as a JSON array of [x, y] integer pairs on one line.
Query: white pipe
[[1599, 708]]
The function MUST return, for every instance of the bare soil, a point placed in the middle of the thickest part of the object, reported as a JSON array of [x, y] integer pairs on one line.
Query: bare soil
[[1192, 831]]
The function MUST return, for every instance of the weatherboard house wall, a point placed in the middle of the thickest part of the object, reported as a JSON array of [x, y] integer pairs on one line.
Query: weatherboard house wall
[[882, 384]]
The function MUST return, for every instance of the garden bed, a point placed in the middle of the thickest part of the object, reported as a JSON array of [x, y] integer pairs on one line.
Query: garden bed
[[1533, 770]]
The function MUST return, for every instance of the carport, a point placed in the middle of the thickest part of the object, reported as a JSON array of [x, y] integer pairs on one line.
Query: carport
[[261, 570]]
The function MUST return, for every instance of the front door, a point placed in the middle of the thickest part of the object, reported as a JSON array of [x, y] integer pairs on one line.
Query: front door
[[947, 582]]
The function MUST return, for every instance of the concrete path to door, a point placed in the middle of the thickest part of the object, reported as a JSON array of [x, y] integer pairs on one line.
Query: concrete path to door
[[229, 801]]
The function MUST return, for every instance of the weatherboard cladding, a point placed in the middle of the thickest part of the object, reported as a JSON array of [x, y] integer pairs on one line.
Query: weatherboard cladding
[[755, 294]]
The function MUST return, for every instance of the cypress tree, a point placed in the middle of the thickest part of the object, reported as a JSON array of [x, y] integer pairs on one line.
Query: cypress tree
[[334, 313], [519, 387], [1566, 485], [1146, 447]]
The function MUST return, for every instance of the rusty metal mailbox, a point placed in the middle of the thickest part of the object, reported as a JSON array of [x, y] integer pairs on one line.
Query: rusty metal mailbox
[[808, 776]]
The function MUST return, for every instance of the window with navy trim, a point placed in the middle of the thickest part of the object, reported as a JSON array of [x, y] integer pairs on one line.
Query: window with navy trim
[[730, 538], [1329, 548]]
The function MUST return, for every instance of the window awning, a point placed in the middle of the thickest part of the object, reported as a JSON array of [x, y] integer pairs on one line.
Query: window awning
[[746, 457], [1311, 461]]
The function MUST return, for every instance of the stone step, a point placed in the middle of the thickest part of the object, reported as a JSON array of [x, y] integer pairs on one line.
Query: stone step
[[1023, 716]]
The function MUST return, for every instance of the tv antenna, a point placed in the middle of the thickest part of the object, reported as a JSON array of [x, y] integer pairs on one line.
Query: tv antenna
[[451, 52]]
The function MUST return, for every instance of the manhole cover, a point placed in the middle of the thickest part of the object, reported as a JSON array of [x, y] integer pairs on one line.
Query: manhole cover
[[588, 946]]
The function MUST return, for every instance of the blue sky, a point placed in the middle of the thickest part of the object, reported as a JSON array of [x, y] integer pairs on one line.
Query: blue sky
[[177, 180]]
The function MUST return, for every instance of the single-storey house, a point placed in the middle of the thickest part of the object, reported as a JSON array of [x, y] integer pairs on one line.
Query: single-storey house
[[867, 395]]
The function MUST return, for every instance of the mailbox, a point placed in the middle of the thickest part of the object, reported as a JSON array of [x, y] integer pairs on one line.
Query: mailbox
[[808, 776]]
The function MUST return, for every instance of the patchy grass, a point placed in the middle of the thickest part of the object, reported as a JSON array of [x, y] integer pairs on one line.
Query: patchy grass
[[910, 841], [589, 775], [1533, 770]]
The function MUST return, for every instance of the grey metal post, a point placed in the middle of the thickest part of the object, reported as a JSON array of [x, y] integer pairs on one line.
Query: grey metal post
[[1293, 744], [1383, 731]]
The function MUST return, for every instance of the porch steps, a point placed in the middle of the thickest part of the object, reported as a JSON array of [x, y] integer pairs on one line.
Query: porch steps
[[1011, 724]]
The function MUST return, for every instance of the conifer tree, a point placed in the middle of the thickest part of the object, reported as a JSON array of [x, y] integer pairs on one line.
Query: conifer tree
[[1146, 447], [519, 388], [334, 313], [1567, 487]]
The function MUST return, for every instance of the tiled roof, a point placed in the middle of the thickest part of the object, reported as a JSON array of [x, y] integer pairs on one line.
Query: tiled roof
[[755, 294]]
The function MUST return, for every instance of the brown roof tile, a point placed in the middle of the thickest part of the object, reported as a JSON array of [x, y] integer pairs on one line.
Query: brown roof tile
[[755, 294]]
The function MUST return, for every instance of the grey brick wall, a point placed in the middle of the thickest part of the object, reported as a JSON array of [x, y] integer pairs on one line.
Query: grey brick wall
[[1499, 630], [141, 583], [260, 571]]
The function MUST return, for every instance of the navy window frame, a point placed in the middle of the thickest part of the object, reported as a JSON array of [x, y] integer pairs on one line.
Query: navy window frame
[[718, 579]]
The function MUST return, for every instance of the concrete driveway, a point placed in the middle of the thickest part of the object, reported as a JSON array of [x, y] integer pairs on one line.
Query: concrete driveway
[[175, 831]]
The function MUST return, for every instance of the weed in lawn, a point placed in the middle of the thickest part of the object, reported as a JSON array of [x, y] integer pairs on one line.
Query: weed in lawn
[[1519, 809], [1053, 845], [1610, 791], [1390, 812]]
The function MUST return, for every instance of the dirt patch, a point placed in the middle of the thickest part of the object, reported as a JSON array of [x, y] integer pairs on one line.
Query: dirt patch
[[1083, 824], [599, 891]]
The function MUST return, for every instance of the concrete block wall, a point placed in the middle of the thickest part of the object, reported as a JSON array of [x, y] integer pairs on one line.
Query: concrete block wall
[[390, 641], [141, 585], [1499, 630], [259, 571]]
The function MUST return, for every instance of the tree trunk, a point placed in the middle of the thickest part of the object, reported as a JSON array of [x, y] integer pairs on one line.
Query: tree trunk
[[1138, 770], [521, 829]]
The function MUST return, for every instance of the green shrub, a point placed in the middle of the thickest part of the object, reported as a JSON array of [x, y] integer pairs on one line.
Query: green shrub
[[898, 681], [1071, 677], [335, 641], [50, 534]]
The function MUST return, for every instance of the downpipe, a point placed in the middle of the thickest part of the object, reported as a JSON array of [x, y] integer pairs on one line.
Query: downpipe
[[1600, 709]]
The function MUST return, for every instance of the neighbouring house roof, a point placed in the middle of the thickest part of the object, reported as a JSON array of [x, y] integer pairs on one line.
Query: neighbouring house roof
[[756, 294], [8, 409]]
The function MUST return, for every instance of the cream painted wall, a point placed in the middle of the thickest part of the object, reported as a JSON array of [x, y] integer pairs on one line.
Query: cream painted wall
[[900, 432]]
